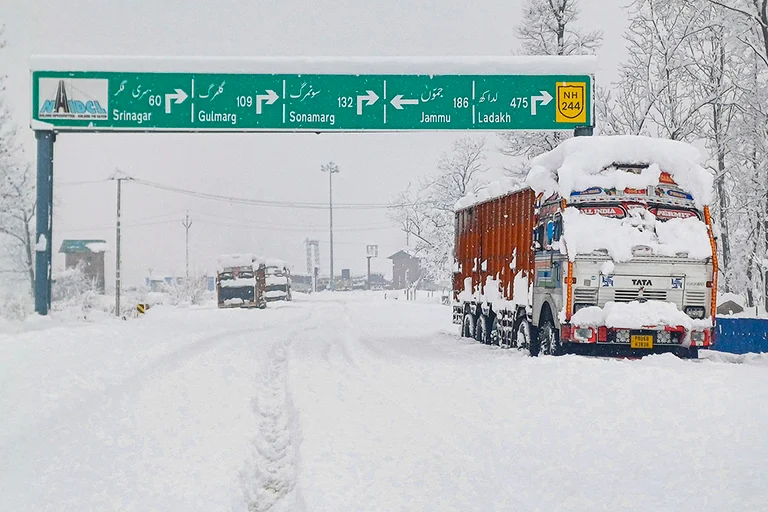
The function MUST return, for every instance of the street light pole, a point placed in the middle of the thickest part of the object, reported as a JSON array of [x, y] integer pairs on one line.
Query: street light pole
[[187, 223], [331, 168]]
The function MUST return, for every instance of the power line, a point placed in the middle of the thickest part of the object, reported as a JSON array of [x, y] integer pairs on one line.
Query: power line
[[247, 222], [240, 224], [262, 202]]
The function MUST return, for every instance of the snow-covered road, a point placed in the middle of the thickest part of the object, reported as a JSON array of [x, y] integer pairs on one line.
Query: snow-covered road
[[348, 402]]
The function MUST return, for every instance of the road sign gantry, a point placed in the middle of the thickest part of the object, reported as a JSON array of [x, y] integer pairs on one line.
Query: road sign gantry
[[105, 100]]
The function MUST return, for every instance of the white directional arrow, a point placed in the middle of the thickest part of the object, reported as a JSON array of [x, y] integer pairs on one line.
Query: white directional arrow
[[544, 99], [398, 102], [179, 96], [270, 97], [369, 98]]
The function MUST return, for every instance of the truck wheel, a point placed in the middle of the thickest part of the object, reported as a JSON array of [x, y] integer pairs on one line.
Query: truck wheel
[[522, 335], [468, 326], [549, 339], [483, 329], [495, 333]]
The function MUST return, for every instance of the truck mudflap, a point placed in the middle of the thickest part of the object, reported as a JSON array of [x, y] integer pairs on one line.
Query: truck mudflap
[[650, 338]]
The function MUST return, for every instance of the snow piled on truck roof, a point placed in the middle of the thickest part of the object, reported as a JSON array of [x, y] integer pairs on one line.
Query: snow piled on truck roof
[[576, 164], [494, 189], [583, 162], [235, 260]]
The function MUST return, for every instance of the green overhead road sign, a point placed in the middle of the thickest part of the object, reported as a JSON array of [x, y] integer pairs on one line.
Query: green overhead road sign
[[171, 101]]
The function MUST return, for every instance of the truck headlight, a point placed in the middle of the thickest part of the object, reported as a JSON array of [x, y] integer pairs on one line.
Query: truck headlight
[[694, 311]]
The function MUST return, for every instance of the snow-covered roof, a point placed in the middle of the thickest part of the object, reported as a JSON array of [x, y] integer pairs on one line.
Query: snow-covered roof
[[83, 246], [98, 246], [445, 65], [494, 189], [577, 164]]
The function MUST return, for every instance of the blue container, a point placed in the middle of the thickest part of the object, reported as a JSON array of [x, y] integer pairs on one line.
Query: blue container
[[741, 335]]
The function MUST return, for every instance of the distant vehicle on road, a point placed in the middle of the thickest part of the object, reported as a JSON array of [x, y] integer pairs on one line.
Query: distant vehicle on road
[[278, 280], [240, 282]]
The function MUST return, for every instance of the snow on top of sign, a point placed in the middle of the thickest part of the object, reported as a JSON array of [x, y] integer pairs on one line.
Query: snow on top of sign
[[444, 65], [575, 164], [639, 228], [235, 260], [493, 190]]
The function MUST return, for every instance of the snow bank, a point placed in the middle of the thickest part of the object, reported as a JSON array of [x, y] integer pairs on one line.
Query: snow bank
[[636, 315], [574, 165], [235, 260], [639, 228]]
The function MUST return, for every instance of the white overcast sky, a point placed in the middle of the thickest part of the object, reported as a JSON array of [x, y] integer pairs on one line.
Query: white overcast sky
[[374, 167]]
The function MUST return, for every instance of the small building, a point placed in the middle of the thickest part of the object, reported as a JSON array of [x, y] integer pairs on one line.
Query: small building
[[406, 270], [89, 254]]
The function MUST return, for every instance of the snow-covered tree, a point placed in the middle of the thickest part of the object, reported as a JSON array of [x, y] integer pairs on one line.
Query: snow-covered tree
[[547, 27], [653, 93], [425, 212], [754, 14], [17, 201]]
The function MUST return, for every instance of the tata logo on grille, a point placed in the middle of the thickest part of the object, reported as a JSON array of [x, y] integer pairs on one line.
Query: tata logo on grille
[[73, 98], [642, 282]]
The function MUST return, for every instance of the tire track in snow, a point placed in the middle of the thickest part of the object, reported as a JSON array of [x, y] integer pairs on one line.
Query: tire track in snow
[[268, 478]]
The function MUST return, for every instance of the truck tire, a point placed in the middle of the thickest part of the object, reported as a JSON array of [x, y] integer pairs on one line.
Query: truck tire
[[549, 339], [468, 326], [521, 338], [495, 332], [483, 329]]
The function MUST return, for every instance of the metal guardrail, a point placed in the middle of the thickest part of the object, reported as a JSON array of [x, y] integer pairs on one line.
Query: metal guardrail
[[741, 335]]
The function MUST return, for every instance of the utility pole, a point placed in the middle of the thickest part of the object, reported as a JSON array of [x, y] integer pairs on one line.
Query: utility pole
[[331, 168], [118, 176], [187, 223]]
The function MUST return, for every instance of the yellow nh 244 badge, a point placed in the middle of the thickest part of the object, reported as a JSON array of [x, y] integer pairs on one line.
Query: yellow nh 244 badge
[[571, 102]]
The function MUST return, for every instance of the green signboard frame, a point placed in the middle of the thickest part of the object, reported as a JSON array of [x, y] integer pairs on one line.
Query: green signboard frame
[[372, 100]]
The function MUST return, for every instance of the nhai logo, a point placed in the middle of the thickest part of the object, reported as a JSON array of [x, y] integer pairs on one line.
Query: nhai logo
[[73, 98]]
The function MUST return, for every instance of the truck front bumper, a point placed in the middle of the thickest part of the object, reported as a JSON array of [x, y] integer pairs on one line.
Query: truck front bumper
[[650, 338]]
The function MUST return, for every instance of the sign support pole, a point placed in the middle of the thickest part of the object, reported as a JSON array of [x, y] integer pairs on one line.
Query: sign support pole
[[583, 131], [44, 220]]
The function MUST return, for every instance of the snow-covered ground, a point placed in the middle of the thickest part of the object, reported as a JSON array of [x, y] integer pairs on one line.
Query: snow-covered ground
[[348, 402]]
